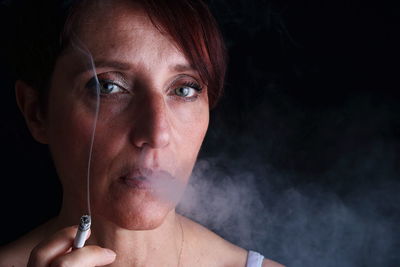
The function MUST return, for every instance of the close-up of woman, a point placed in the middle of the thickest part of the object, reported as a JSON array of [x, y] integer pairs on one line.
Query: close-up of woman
[[121, 92]]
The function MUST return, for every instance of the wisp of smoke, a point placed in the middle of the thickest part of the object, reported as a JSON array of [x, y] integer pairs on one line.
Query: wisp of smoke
[[306, 225]]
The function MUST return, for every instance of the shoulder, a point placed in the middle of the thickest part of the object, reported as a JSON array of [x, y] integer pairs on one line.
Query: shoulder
[[14, 254], [17, 253], [270, 263], [206, 248]]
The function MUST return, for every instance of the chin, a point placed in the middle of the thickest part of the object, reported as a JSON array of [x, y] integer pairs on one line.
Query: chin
[[139, 212], [138, 220]]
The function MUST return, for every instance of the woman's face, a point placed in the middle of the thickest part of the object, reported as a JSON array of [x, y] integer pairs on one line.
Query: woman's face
[[152, 120]]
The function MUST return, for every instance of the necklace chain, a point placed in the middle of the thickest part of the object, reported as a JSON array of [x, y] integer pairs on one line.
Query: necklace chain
[[182, 242]]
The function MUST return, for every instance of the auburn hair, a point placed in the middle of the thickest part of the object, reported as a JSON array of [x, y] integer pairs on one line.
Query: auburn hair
[[43, 27]]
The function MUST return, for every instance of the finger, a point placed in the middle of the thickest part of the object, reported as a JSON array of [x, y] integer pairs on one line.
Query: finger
[[54, 246], [87, 256]]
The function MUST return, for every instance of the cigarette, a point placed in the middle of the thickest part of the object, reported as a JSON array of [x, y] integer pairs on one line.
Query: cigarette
[[83, 231]]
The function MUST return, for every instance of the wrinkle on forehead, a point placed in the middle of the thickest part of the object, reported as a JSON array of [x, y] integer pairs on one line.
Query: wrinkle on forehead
[[121, 15], [119, 29]]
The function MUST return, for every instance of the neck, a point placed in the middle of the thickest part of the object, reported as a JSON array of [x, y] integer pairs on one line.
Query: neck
[[157, 247]]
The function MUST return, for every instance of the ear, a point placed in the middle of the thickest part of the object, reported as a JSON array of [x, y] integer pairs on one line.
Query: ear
[[29, 104]]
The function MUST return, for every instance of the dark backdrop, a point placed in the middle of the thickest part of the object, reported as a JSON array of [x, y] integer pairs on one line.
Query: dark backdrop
[[303, 146]]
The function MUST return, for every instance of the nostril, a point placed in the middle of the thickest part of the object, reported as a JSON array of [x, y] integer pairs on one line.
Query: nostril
[[153, 139], [162, 138], [151, 124]]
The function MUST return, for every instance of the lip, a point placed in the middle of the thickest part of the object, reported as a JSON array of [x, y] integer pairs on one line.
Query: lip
[[140, 182], [146, 179]]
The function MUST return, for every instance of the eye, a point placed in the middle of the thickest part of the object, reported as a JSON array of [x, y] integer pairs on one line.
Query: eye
[[105, 86], [108, 87], [185, 91], [188, 90]]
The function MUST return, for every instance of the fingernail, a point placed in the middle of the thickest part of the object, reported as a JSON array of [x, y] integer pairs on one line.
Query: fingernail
[[110, 253]]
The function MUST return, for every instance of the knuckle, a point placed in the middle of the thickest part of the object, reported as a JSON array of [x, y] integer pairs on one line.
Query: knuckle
[[92, 249], [97, 250], [37, 255], [68, 230], [60, 263], [97, 253]]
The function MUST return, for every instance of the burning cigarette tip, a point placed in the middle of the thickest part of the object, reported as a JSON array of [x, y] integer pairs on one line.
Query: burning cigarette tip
[[83, 231]]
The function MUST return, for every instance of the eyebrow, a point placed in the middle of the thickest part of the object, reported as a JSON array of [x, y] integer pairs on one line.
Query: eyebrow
[[88, 67], [126, 66], [182, 68], [112, 64]]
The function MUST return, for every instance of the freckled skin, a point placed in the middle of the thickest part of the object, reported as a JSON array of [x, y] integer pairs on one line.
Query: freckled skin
[[149, 117], [144, 123]]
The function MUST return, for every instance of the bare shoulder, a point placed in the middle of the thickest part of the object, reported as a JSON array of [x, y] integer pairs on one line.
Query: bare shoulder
[[205, 248], [17, 253], [270, 263], [14, 254], [208, 249]]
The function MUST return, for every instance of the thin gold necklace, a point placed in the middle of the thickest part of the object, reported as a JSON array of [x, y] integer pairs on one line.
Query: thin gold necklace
[[182, 242]]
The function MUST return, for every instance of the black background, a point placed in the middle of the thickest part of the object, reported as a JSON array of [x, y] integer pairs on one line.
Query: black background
[[312, 95]]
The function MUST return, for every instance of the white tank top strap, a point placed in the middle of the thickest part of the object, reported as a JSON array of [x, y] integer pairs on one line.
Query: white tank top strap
[[254, 259]]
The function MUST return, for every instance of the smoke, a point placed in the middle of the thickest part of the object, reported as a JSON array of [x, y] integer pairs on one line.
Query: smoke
[[305, 225], [86, 56], [223, 202], [292, 166], [301, 159], [324, 206]]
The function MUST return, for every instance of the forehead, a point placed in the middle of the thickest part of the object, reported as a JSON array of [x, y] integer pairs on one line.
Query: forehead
[[121, 30]]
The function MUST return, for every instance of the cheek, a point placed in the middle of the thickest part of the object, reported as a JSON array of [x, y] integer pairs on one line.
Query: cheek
[[190, 129], [70, 129]]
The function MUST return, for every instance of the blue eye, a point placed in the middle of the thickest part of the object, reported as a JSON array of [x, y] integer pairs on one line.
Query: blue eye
[[188, 90], [185, 91], [107, 87]]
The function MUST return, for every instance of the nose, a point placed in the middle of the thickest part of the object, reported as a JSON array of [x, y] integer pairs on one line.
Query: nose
[[151, 126]]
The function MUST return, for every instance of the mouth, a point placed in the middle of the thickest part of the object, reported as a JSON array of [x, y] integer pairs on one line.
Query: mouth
[[139, 182], [161, 184], [145, 179]]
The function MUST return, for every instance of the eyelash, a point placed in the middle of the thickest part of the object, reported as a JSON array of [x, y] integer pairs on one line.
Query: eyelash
[[194, 85], [92, 84], [197, 87]]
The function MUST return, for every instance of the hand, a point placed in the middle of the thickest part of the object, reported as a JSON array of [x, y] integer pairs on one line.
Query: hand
[[57, 251]]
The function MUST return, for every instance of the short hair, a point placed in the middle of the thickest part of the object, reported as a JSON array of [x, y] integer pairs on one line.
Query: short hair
[[41, 34]]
